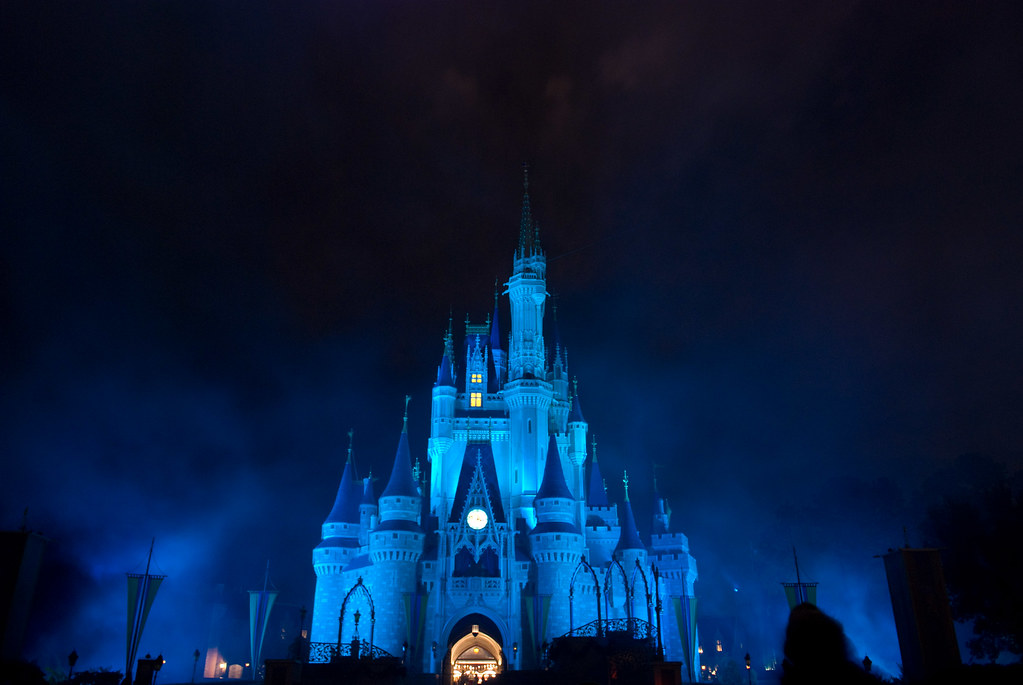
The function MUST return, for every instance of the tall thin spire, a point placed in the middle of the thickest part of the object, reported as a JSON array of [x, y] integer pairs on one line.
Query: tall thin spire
[[527, 231], [404, 421]]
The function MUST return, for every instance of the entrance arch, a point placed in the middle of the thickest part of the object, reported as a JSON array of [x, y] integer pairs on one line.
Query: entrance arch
[[474, 653]]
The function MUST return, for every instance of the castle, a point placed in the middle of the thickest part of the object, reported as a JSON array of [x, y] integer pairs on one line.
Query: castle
[[510, 540]]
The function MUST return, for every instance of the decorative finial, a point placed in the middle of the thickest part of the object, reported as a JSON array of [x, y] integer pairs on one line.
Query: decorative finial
[[416, 473], [594, 444], [404, 422], [351, 438], [497, 291], [575, 386], [526, 228], [625, 482]]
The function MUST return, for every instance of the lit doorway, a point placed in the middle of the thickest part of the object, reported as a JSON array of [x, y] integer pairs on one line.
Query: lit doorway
[[475, 658]]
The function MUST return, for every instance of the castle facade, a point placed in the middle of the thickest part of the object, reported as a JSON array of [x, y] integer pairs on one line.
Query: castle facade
[[505, 539]]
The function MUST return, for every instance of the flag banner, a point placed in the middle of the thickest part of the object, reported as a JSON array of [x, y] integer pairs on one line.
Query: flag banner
[[142, 589], [811, 593], [689, 609], [260, 605], [546, 603], [406, 606], [682, 621], [530, 603], [419, 619], [134, 586]]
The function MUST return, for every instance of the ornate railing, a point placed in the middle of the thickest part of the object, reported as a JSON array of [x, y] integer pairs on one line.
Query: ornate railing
[[325, 652], [636, 627]]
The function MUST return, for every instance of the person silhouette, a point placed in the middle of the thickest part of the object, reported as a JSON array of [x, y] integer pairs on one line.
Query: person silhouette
[[817, 651]]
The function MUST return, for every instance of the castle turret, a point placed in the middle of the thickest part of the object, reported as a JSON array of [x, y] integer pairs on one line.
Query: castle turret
[[340, 544], [630, 548], [442, 417], [558, 377], [556, 541], [602, 529], [497, 353], [367, 510], [662, 513], [395, 545]]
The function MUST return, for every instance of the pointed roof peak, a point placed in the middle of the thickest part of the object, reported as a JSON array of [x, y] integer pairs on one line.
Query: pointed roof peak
[[596, 491], [346, 503], [629, 538], [404, 421], [575, 414], [401, 483], [553, 483]]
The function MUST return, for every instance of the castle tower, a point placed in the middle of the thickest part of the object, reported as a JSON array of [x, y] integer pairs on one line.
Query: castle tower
[[527, 394], [395, 546], [556, 541], [340, 544]]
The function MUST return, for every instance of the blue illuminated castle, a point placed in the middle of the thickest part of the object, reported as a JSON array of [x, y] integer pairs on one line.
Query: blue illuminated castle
[[506, 539]]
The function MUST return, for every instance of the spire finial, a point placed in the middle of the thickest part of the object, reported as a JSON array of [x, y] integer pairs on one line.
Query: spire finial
[[575, 386], [404, 421], [351, 438], [594, 444], [625, 482], [526, 228], [497, 291]]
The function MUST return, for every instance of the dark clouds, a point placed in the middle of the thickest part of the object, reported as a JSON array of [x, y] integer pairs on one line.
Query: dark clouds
[[784, 242]]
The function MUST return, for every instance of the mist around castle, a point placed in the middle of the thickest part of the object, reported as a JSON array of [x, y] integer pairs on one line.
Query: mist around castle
[[764, 299]]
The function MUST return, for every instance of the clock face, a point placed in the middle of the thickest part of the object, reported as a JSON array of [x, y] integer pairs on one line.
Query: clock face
[[477, 519]]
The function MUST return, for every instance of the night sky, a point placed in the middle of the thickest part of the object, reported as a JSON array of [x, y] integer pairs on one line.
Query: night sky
[[785, 244]]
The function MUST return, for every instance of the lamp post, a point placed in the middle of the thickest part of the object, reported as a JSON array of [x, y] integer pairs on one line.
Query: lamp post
[[657, 607], [72, 659], [195, 663], [749, 672]]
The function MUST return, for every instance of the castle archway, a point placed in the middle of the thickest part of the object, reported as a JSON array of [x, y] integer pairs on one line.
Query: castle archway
[[474, 653]]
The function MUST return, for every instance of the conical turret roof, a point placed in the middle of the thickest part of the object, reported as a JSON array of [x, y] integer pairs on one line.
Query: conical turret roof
[[367, 491], [630, 535], [553, 483], [401, 483], [595, 494], [346, 504]]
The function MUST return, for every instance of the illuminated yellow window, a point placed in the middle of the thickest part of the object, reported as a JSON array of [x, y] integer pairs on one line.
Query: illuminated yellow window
[[476, 399], [477, 378], [719, 646]]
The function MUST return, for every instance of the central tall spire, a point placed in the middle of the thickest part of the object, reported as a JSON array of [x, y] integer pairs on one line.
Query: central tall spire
[[526, 228]]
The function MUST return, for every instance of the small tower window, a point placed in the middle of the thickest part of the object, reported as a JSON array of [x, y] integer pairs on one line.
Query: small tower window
[[476, 399], [477, 378]]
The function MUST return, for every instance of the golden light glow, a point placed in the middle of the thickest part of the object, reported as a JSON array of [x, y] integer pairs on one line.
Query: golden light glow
[[476, 399], [720, 648], [477, 378]]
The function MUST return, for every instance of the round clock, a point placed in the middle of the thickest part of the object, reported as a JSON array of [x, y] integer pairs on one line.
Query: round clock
[[477, 519]]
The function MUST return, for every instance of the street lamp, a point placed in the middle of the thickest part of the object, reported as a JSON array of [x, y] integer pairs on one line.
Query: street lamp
[[749, 672]]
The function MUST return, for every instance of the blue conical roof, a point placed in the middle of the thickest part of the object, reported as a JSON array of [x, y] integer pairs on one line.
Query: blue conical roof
[[553, 483], [346, 504], [401, 483], [576, 413], [495, 329], [445, 375], [367, 491], [596, 496], [629, 538]]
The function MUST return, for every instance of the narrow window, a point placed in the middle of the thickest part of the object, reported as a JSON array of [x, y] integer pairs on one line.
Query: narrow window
[[476, 399], [529, 426]]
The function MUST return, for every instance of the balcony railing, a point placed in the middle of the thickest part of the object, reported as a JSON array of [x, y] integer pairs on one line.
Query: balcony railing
[[325, 652]]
